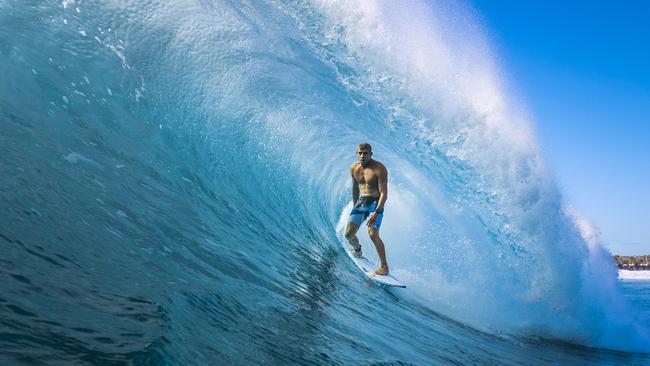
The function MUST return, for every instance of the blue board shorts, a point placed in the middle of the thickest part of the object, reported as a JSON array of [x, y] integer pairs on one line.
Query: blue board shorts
[[363, 208]]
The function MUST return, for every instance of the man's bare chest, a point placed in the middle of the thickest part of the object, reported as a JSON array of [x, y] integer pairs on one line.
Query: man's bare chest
[[365, 176]]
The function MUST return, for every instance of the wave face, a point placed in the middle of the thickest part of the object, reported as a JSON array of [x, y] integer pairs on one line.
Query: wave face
[[175, 182]]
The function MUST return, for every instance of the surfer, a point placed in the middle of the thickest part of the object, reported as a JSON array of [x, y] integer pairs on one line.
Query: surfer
[[369, 178]]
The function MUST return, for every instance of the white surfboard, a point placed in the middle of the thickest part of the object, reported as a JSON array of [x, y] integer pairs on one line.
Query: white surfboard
[[367, 267]]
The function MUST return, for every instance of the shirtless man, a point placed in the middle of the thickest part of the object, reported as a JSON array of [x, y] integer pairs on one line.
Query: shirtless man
[[369, 178]]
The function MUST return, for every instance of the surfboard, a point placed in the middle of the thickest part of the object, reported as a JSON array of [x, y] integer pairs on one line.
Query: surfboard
[[367, 267]]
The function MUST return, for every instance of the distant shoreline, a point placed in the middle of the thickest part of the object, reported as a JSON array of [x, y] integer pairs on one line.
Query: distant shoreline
[[633, 263]]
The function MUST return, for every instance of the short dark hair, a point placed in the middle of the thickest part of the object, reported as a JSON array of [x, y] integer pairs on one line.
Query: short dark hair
[[365, 146]]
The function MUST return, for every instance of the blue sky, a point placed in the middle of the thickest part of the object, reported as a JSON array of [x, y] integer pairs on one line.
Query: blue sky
[[583, 71]]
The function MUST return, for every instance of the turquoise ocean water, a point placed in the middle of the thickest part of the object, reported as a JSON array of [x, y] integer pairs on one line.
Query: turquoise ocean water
[[174, 181], [638, 293]]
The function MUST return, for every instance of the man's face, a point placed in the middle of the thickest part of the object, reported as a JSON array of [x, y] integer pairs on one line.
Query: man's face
[[364, 156]]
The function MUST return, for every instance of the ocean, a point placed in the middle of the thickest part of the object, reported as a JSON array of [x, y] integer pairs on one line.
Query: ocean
[[174, 183]]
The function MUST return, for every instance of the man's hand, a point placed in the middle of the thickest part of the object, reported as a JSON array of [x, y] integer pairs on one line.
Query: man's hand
[[372, 219]]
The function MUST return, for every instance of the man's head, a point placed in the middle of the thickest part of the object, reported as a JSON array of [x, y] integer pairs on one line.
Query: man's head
[[364, 153]]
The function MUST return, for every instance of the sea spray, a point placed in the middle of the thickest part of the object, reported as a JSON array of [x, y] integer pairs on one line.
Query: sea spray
[[519, 263]]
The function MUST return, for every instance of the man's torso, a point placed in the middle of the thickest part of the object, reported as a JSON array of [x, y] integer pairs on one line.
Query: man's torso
[[367, 178]]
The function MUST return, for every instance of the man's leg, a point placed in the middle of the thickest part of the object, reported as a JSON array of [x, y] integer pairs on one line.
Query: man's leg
[[381, 251], [351, 236]]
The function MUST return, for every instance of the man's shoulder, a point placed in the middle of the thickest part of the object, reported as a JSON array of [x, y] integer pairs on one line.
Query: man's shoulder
[[379, 165], [354, 165]]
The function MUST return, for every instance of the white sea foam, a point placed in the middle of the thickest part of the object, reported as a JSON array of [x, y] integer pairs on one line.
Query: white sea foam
[[625, 274]]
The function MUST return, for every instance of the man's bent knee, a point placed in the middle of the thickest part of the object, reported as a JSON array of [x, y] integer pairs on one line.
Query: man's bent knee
[[350, 231], [373, 232]]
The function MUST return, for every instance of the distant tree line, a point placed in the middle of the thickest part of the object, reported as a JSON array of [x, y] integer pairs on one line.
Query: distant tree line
[[633, 263]]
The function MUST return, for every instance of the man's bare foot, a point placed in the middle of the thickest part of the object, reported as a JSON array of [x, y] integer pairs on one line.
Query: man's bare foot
[[381, 271], [357, 252]]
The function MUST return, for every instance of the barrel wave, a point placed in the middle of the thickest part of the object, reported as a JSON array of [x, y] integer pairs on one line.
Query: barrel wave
[[175, 184]]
